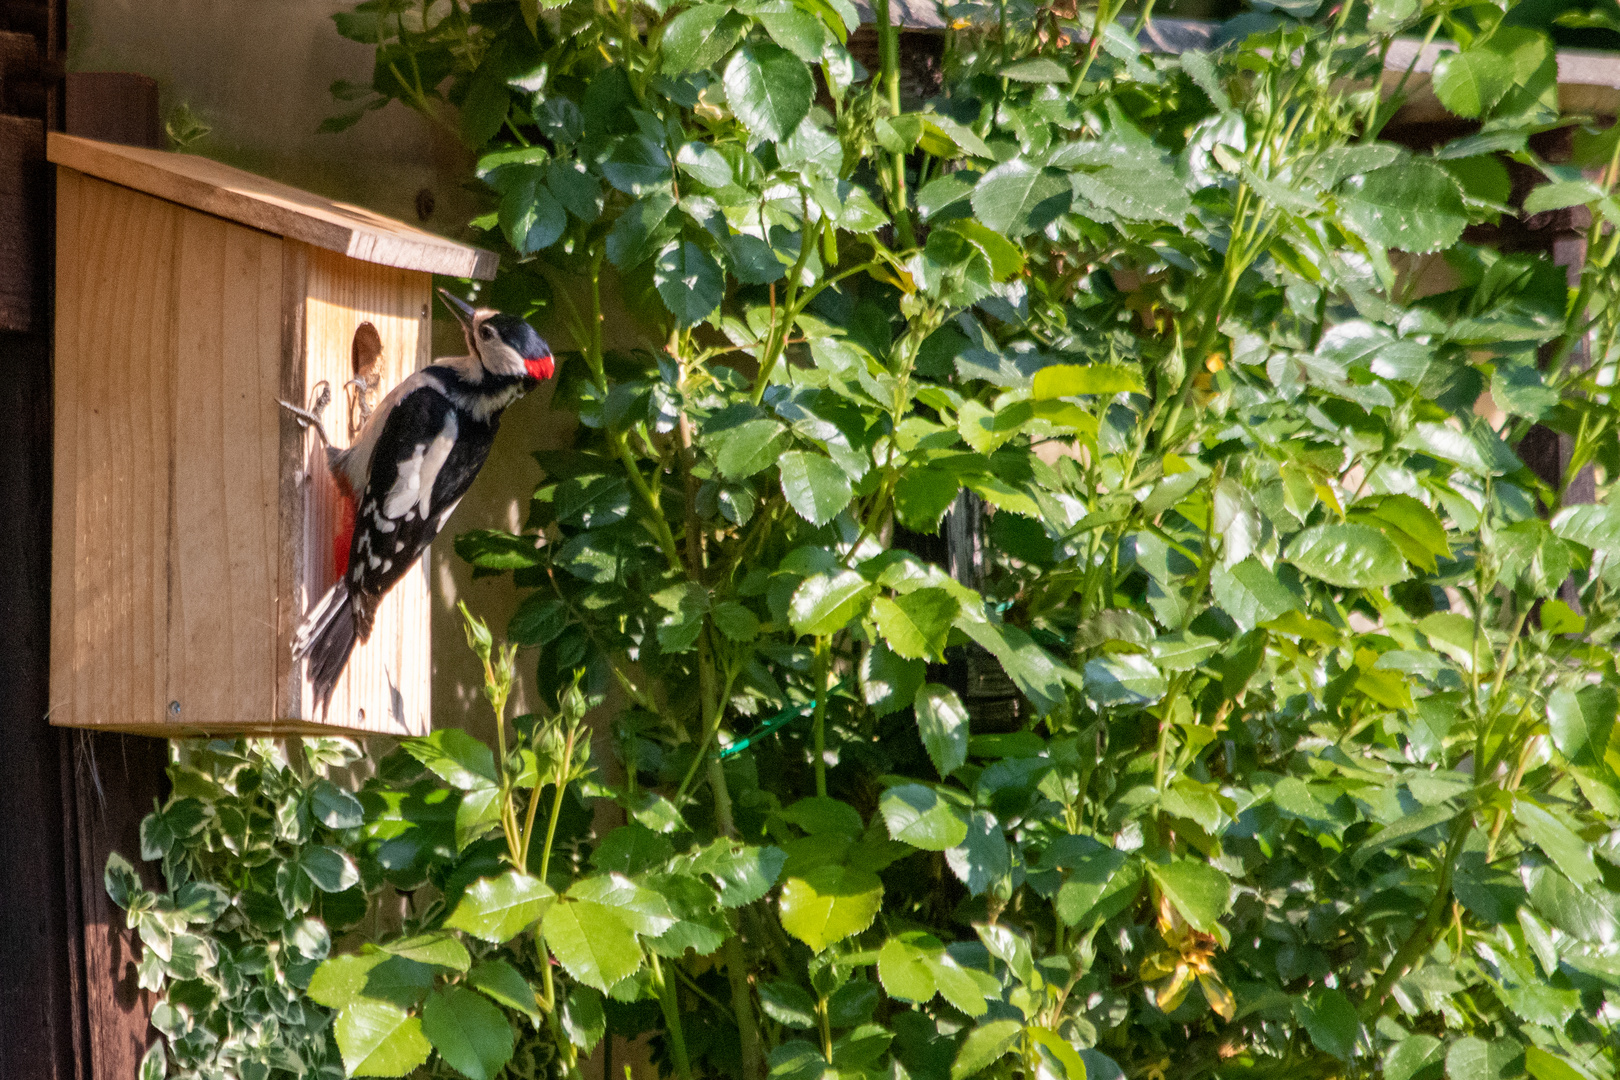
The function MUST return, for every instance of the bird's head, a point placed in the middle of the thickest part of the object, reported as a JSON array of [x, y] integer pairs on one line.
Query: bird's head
[[504, 344]]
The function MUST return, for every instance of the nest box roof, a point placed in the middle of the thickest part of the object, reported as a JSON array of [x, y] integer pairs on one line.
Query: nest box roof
[[276, 208]]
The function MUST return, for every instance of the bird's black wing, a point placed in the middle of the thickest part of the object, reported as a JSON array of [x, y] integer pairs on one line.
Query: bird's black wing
[[425, 446]]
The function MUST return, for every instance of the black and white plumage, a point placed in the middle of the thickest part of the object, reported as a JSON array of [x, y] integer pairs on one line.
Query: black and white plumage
[[411, 463]]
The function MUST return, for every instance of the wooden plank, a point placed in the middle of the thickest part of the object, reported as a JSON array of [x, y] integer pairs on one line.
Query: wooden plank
[[23, 203], [114, 106], [111, 593], [386, 686], [225, 450], [277, 208]]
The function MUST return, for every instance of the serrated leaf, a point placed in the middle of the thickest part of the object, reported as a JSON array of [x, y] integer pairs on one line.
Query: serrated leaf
[[379, 1039], [829, 904], [984, 1046], [1349, 556], [916, 624], [824, 603], [917, 815], [592, 942], [814, 486], [1413, 205], [768, 88], [1199, 891], [1077, 380], [1018, 197], [942, 722], [470, 1034], [497, 909], [502, 982]]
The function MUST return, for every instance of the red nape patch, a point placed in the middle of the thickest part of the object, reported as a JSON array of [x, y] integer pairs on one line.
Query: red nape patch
[[345, 537], [540, 369]]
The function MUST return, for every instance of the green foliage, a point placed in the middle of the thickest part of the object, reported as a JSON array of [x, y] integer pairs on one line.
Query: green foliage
[[1309, 767], [256, 854]]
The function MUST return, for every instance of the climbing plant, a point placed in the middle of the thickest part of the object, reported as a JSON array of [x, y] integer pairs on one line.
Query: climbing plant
[[1306, 768]]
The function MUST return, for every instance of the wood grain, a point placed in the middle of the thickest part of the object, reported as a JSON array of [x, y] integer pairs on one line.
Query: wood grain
[[193, 522], [386, 687], [277, 208]]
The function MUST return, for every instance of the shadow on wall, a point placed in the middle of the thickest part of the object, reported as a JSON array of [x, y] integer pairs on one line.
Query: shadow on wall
[[258, 76]]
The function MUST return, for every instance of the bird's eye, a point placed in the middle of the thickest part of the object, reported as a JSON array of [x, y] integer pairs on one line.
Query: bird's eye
[[484, 333]]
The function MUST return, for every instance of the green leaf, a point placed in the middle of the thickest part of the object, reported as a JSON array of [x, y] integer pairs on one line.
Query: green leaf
[[470, 1034], [747, 448], [583, 1018], [592, 942], [1582, 722], [1250, 593], [640, 231], [1470, 82], [1200, 892], [916, 624], [1077, 380], [341, 979], [334, 807], [120, 880], [788, 1004], [768, 88], [1475, 1059], [637, 166], [798, 31], [154, 1063], [1560, 195], [1402, 830], [942, 721], [1122, 192], [916, 815], [1542, 1066], [1568, 852], [1331, 1022], [379, 1039], [984, 1046], [1038, 69], [829, 904], [699, 37], [689, 282], [742, 873], [889, 683], [825, 602], [1124, 679], [1349, 556], [438, 948], [477, 812], [1099, 886], [1416, 1057], [1018, 197], [1040, 678], [455, 757], [735, 621], [1413, 205], [922, 495], [984, 858], [330, 869], [497, 909], [814, 486], [530, 216], [905, 965], [504, 983]]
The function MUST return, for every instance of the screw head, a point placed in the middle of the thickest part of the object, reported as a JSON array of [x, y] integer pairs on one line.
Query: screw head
[[174, 708]]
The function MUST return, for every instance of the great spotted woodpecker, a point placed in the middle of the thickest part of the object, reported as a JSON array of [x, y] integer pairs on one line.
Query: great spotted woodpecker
[[414, 458]]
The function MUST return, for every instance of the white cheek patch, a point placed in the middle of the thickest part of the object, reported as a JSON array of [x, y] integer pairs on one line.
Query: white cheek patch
[[413, 487]]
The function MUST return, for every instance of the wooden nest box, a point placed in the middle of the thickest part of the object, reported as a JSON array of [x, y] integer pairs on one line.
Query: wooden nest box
[[194, 521]]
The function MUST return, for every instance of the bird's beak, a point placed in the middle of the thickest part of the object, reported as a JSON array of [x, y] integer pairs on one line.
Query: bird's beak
[[462, 310]]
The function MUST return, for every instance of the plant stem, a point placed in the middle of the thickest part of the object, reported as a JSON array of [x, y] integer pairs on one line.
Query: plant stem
[[889, 55], [819, 724], [742, 1000], [1423, 935], [671, 1005]]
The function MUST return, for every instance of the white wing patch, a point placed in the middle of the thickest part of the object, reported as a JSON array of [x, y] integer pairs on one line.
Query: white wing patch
[[413, 487]]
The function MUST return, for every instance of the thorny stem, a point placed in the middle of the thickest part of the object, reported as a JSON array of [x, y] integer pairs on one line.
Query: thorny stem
[[670, 1003], [819, 724]]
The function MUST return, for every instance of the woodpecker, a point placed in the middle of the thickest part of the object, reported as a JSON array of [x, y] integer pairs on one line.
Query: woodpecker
[[415, 456]]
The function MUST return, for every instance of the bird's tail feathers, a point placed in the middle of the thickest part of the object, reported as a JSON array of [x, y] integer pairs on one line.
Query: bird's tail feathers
[[327, 637]]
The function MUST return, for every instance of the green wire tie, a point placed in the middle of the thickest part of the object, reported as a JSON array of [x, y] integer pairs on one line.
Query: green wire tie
[[775, 723]]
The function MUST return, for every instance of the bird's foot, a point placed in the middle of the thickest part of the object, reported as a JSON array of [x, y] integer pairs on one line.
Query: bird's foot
[[310, 417]]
